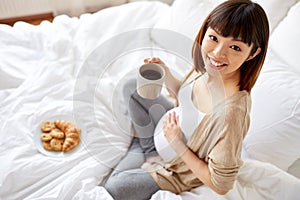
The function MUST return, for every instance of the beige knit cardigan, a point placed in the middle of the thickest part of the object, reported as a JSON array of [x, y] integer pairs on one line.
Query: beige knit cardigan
[[217, 140]]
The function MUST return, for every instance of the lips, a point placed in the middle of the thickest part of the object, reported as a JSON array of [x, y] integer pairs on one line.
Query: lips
[[216, 64]]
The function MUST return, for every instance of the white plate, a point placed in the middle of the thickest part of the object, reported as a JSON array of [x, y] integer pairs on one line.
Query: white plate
[[39, 143]]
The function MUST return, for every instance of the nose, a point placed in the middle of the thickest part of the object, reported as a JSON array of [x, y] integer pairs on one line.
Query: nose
[[219, 51]]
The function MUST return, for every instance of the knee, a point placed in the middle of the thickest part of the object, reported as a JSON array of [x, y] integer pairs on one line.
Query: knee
[[128, 89], [114, 187]]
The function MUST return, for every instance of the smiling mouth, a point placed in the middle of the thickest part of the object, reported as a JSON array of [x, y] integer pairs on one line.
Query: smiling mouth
[[216, 65]]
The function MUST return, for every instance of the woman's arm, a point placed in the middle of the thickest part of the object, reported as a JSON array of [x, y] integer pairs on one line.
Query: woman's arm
[[197, 166], [171, 82], [174, 135]]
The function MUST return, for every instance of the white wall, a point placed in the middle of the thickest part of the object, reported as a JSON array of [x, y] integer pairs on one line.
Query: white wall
[[17, 8], [77, 7], [165, 1]]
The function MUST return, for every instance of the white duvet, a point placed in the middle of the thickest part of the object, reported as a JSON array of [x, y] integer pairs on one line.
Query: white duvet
[[74, 68]]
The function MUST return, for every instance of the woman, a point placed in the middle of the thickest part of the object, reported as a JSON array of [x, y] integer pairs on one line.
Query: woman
[[204, 133]]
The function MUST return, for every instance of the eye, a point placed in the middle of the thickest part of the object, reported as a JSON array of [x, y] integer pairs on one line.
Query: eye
[[236, 48], [212, 37]]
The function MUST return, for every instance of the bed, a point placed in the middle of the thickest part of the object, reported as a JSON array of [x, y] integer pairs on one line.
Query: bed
[[74, 68]]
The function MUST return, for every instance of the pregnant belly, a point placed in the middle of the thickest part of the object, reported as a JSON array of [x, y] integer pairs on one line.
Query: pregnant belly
[[162, 145]]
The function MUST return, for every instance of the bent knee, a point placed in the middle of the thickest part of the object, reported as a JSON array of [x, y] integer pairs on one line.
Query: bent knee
[[115, 187], [128, 89]]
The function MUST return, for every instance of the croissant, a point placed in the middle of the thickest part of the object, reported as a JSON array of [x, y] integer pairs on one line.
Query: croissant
[[72, 134]]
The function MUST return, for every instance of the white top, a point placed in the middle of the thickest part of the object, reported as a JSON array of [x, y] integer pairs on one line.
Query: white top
[[189, 119]]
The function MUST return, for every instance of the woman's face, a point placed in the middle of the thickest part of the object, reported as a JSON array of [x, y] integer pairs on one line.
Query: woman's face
[[224, 55]]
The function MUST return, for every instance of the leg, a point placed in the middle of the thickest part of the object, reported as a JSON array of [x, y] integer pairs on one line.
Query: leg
[[133, 159], [135, 184], [145, 114]]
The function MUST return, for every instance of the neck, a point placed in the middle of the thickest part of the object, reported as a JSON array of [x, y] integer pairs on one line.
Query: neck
[[225, 85]]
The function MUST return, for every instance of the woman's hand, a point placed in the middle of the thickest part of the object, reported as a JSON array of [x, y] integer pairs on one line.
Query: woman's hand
[[155, 61], [173, 132]]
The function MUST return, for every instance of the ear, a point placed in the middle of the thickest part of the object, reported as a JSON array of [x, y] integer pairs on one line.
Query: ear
[[258, 50]]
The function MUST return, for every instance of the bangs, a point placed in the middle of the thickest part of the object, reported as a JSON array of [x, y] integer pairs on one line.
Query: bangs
[[235, 22]]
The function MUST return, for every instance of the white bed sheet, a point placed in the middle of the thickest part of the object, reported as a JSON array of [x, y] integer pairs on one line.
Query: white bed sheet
[[75, 67]]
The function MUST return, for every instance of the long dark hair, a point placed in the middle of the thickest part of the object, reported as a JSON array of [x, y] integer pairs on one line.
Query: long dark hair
[[242, 19]]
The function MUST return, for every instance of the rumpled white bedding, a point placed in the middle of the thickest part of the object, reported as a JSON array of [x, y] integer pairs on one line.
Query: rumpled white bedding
[[75, 68]]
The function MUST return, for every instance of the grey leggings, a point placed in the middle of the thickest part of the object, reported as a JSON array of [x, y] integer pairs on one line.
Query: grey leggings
[[129, 180]]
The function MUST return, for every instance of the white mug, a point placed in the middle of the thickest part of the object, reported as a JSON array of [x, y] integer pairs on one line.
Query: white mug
[[150, 80]]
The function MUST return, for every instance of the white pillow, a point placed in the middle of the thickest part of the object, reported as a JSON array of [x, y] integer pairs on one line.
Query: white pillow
[[274, 134], [285, 38], [276, 10], [186, 17]]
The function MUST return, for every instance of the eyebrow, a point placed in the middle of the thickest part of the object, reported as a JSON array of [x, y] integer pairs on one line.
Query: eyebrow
[[233, 39], [238, 40]]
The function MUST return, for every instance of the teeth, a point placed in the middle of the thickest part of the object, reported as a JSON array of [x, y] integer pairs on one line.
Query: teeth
[[215, 63]]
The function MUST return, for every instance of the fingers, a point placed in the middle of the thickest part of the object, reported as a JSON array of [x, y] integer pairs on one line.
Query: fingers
[[166, 122], [175, 118], [169, 118], [172, 118], [151, 60], [171, 127]]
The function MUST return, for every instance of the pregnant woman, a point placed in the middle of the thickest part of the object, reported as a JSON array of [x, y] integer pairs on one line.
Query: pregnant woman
[[199, 141]]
